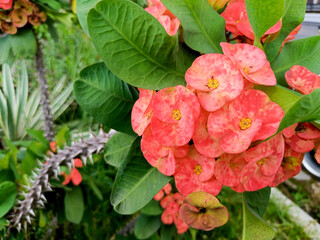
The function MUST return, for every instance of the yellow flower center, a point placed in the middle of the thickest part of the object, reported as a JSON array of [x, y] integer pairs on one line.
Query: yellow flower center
[[262, 161], [148, 115], [213, 83], [245, 123], [245, 69], [197, 169], [237, 21], [176, 114], [233, 165]]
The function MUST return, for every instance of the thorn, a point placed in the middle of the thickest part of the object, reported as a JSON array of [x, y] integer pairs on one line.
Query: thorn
[[32, 213], [91, 134], [84, 160], [48, 188], [43, 198], [101, 132], [40, 203], [68, 164], [99, 148], [19, 227], [90, 159], [28, 219]]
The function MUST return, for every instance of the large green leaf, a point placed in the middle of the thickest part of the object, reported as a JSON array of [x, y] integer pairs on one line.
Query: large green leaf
[[104, 96], [254, 227], [117, 148], [146, 226], [8, 193], [263, 14], [284, 97], [195, 16], [303, 52], [136, 182], [306, 109], [152, 208], [293, 15], [258, 200], [134, 45], [74, 205], [83, 7]]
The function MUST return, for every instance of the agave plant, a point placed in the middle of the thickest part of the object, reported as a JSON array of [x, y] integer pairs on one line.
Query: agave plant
[[21, 110]]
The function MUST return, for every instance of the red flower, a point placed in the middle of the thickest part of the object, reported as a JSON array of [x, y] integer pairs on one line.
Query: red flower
[[6, 4], [74, 176]]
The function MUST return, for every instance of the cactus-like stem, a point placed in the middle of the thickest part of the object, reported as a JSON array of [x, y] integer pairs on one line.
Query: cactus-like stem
[[33, 196], [44, 94]]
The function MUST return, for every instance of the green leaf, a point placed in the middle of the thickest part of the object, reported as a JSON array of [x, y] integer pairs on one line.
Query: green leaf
[[255, 227], [146, 226], [167, 232], [104, 96], [303, 52], [95, 189], [63, 137], [293, 15], [23, 44], [3, 223], [38, 135], [136, 182], [284, 97], [195, 16], [8, 193], [83, 7], [6, 175], [258, 200], [152, 208], [263, 14], [306, 109], [74, 205], [117, 148], [134, 45]]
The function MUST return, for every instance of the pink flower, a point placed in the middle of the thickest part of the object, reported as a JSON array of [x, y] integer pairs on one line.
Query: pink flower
[[216, 79], [251, 61], [142, 111], [165, 190], [195, 173], [264, 161], [164, 16], [302, 80], [203, 211], [250, 117], [175, 111], [163, 158], [6, 4], [204, 143], [228, 169], [290, 166], [74, 176]]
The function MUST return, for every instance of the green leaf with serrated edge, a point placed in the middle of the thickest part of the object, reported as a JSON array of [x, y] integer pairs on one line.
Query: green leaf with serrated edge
[[284, 97], [152, 208], [83, 7], [134, 45], [263, 14], [117, 148], [8, 193], [104, 96], [304, 52], [74, 205], [258, 200], [255, 227], [293, 15], [136, 182], [195, 16], [306, 109], [146, 226]]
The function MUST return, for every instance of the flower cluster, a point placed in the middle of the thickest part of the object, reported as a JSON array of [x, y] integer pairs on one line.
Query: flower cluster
[[18, 13], [74, 176], [171, 203]]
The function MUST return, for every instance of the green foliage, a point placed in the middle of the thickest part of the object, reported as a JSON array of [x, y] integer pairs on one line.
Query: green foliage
[[195, 16], [106, 97], [134, 45], [136, 182], [152, 208], [117, 148], [258, 200], [19, 111], [8, 193], [303, 52], [18, 46], [306, 109], [83, 7], [146, 226], [255, 227], [74, 205], [292, 16], [263, 15]]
